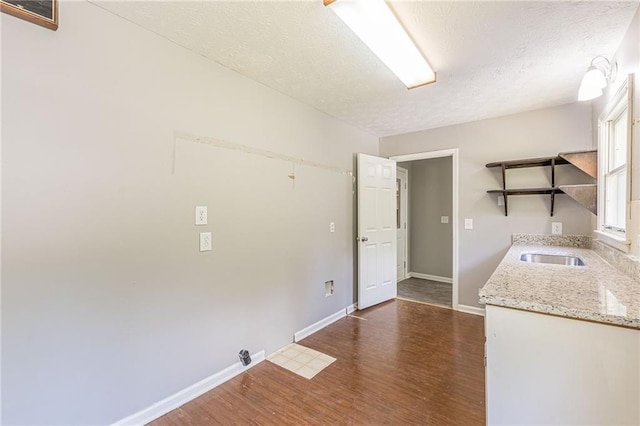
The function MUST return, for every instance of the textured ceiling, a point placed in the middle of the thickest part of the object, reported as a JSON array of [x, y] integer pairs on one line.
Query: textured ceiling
[[492, 58]]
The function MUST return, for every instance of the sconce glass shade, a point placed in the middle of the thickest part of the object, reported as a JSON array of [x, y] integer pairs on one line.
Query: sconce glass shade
[[588, 92], [595, 78], [374, 23]]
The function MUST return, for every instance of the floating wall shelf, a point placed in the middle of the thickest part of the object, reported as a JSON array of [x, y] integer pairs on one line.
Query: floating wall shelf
[[587, 161]]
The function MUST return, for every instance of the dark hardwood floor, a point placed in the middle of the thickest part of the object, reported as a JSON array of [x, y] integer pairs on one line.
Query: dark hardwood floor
[[397, 363], [426, 291]]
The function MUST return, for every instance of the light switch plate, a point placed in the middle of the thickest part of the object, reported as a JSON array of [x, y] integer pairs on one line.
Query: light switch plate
[[205, 241], [556, 228], [444, 219], [468, 223], [201, 215]]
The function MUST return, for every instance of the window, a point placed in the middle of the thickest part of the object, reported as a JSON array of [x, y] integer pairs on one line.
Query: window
[[615, 173], [612, 171]]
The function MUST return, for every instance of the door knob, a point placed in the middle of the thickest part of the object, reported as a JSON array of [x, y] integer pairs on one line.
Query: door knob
[[364, 239]]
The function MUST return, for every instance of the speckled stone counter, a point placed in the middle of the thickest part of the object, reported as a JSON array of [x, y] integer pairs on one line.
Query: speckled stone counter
[[595, 292]]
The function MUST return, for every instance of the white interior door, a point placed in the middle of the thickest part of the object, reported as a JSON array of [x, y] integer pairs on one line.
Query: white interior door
[[376, 230], [402, 192]]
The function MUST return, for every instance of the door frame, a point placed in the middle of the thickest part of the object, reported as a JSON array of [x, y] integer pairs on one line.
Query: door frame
[[404, 218], [454, 154]]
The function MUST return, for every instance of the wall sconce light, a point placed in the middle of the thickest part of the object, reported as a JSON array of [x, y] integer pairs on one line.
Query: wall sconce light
[[600, 73], [374, 23]]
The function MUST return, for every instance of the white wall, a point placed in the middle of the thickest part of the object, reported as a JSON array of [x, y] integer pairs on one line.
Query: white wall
[[107, 305], [533, 134], [628, 58]]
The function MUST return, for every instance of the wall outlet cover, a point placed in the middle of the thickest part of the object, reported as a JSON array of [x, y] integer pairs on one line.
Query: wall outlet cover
[[444, 219], [201, 215], [500, 200], [332, 227], [556, 228], [205, 241], [468, 223]]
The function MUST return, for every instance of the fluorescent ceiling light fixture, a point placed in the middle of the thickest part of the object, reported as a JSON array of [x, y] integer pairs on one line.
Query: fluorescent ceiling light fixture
[[600, 73], [378, 28]]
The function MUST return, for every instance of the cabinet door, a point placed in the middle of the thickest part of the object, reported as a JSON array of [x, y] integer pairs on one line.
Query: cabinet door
[[543, 370]]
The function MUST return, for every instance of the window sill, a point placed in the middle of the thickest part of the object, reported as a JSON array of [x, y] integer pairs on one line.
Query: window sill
[[617, 242]]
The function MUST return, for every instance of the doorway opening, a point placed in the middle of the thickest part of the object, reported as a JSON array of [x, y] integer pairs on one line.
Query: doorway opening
[[427, 227]]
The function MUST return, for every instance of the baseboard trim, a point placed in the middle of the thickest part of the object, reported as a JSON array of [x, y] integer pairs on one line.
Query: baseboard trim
[[430, 277], [352, 308], [182, 397], [471, 310], [308, 331]]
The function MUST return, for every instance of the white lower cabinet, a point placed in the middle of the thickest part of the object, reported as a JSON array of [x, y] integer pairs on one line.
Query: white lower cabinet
[[548, 370]]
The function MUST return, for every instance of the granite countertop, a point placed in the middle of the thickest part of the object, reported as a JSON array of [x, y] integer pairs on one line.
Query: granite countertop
[[595, 292]]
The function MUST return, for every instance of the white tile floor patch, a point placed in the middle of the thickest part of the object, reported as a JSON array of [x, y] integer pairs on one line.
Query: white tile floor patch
[[301, 360]]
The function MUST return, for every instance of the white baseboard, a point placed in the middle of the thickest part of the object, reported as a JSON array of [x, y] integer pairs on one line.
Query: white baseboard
[[182, 397], [430, 277], [352, 308], [308, 331], [471, 310]]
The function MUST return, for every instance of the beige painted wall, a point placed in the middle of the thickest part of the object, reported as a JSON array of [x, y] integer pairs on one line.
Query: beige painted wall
[[430, 197], [533, 134], [107, 304], [628, 58]]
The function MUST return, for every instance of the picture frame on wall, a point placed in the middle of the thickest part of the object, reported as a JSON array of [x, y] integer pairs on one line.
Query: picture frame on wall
[[40, 12]]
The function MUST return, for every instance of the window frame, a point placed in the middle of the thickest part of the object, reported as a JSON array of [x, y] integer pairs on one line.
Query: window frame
[[611, 235]]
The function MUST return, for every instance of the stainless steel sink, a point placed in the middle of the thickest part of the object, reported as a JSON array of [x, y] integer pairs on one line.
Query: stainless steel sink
[[555, 259]]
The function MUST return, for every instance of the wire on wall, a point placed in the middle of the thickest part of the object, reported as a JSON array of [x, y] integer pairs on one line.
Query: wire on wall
[[217, 143]]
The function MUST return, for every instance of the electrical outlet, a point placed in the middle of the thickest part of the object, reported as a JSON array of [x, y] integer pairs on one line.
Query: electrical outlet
[[332, 227], [468, 223], [328, 288], [556, 228], [500, 200], [444, 219], [205, 241], [201, 215]]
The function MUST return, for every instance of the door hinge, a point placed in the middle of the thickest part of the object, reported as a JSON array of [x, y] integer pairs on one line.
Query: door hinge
[[405, 185], [405, 263]]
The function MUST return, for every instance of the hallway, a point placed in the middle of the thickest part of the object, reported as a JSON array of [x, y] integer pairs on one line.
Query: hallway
[[426, 291]]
